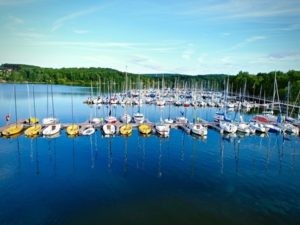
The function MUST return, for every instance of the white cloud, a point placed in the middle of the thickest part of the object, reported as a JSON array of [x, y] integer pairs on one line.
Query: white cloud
[[246, 42], [14, 2], [254, 38], [237, 9], [158, 48], [77, 31], [15, 20], [60, 21], [225, 34], [187, 54], [29, 35]]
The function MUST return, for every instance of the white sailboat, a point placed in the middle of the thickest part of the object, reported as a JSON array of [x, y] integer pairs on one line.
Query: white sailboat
[[259, 127], [87, 130], [52, 129], [15, 128], [110, 119], [161, 128], [109, 129], [52, 124], [199, 129], [228, 127], [139, 117], [126, 118]]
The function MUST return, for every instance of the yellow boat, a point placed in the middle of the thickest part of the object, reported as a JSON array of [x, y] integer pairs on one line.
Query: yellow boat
[[33, 120], [126, 129], [145, 128], [33, 130], [73, 129], [12, 129]]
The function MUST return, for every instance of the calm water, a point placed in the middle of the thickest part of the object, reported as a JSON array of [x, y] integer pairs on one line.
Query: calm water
[[142, 180]]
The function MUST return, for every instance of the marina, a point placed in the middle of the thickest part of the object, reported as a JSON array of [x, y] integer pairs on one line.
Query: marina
[[133, 177], [150, 112], [190, 100]]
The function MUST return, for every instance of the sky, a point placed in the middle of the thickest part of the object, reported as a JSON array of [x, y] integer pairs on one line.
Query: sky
[[167, 36]]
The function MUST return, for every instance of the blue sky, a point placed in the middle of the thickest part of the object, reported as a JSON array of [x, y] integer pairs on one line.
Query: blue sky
[[190, 37]]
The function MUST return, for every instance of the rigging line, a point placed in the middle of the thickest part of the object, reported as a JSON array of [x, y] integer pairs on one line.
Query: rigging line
[[15, 103], [52, 101]]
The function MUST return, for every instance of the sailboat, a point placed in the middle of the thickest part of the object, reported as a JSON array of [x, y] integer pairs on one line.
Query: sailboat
[[16, 127], [87, 130], [126, 129], [126, 118], [72, 129], [31, 119], [160, 101], [49, 120], [36, 128], [226, 125], [169, 120], [197, 127], [161, 128], [109, 129], [139, 117], [258, 127], [53, 125], [182, 120], [110, 119], [145, 128], [242, 126]]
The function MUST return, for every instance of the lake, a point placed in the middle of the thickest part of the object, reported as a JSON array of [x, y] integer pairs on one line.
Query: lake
[[141, 180]]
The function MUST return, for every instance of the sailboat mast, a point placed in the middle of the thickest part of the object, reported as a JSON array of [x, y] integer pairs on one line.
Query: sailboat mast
[[72, 107], [47, 100], [288, 99], [126, 89], [52, 102], [34, 108], [273, 93], [28, 97], [16, 112]]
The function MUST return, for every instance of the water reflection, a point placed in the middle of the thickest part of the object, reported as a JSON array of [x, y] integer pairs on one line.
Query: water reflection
[[221, 155], [262, 153], [109, 175], [109, 153], [37, 165], [159, 172], [125, 167], [236, 154]]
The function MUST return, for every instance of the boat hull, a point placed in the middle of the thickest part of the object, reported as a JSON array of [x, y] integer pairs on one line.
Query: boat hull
[[52, 129], [109, 129], [73, 130], [163, 130], [126, 129], [33, 130], [12, 129], [145, 129]]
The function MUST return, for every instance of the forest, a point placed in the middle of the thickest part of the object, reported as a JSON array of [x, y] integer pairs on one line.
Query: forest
[[261, 84]]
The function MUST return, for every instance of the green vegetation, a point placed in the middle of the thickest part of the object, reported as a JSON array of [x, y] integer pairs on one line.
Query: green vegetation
[[263, 84], [260, 84]]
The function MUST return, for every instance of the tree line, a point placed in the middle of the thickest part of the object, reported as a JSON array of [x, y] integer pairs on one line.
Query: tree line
[[261, 84]]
